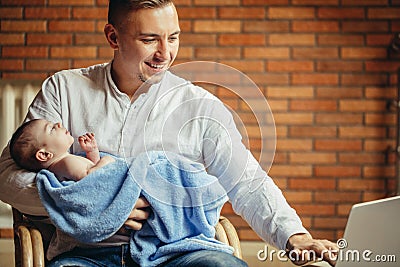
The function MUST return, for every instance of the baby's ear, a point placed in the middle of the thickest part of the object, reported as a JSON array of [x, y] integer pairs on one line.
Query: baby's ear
[[43, 155]]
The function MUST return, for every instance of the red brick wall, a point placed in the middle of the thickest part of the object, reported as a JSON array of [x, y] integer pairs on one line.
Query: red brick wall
[[323, 65]]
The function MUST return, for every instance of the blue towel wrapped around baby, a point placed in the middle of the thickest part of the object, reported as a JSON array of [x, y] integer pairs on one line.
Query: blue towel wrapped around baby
[[185, 202]]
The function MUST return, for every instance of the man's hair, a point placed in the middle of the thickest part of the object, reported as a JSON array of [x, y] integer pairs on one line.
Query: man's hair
[[23, 148], [118, 9]]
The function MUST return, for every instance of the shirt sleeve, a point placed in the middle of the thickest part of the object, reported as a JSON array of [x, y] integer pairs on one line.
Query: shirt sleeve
[[253, 194], [18, 186]]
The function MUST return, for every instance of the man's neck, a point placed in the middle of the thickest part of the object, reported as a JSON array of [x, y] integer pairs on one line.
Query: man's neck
[[125, 83]]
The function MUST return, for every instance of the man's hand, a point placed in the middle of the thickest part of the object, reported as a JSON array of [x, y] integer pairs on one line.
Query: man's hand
[[302, 248], [139, 214]]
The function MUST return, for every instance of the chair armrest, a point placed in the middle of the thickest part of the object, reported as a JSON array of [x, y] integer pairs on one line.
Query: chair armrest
[[220, 234], [37, 248], [28, 243], [226, 233], [25, 243]]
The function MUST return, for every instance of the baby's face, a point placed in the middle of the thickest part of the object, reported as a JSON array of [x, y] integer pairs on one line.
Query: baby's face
[[52, 136]]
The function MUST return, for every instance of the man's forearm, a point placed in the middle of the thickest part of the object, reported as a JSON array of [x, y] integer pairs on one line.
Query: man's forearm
[[18, 188]]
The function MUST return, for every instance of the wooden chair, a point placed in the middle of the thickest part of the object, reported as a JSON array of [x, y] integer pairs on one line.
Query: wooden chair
[[226, 233], [30, 252], [28, 243]]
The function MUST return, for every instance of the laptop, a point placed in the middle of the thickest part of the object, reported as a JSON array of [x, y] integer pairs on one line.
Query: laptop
[[372, 235]]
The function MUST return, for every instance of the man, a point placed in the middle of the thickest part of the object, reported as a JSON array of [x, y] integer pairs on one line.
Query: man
[[128, 108]]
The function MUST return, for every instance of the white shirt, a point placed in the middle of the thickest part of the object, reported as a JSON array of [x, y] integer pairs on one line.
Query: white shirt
[[173, 115]]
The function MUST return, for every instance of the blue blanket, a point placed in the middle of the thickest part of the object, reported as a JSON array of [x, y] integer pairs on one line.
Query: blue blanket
[[185, 201]]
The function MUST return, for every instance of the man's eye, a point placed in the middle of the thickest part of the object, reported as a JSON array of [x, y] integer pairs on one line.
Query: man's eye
[[148, 41], [173, 39]]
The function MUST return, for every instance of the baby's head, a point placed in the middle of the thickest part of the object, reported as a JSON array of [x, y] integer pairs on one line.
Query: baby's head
[[37, 143]]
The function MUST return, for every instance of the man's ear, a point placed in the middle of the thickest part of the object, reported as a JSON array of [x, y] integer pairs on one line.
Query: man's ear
[[111, 35], [43, 155]]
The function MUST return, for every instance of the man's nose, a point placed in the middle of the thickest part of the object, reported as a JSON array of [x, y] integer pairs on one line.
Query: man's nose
[[163, 49]]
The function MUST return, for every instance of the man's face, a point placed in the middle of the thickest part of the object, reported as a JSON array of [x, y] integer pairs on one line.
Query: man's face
[[148, 42], [52, 136]]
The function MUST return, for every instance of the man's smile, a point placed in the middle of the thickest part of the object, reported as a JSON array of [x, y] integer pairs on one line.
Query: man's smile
[[155, 66]]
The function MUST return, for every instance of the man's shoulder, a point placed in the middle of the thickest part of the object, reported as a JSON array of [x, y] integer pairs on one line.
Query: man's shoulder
[[70, 79], [91, 71]]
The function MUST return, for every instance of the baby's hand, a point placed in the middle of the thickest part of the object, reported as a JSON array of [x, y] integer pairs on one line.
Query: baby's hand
[[87, 142]]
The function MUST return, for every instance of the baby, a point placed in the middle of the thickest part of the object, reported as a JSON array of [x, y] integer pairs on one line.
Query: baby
[[40, 144]]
